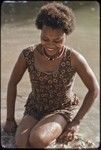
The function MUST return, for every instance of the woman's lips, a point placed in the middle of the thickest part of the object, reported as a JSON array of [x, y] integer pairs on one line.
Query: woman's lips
[[50, 49]]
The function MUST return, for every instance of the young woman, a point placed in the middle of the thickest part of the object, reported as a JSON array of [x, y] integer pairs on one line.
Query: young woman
[[51, 108]]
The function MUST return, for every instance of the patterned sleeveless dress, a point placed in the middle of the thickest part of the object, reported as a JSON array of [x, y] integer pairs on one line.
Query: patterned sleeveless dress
[[51, 93]]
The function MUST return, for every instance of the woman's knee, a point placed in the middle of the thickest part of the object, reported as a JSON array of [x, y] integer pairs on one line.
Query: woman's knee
[[23, 131], [37, 140]]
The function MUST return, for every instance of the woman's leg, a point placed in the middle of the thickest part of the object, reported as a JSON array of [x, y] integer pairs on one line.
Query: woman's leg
[[46, 130], [23, 131]]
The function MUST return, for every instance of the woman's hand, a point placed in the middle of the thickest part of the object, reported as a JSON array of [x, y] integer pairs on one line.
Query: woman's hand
[[10, 126], [70, 131]]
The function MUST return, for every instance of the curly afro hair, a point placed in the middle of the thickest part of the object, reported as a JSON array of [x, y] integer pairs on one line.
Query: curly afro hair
[[56, 15]]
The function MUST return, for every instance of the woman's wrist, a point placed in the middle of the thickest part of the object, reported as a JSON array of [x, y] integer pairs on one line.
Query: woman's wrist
[[76, 120]]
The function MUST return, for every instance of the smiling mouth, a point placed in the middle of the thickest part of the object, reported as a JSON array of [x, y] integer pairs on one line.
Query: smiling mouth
[[49, 49]]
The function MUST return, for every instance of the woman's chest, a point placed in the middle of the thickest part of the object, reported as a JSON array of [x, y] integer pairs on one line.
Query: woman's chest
[[44, 65]]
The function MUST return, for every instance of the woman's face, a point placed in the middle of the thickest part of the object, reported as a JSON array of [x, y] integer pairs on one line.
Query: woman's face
[[52, 39]]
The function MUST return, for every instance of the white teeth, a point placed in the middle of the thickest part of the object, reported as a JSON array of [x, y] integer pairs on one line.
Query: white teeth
[[50, 49]]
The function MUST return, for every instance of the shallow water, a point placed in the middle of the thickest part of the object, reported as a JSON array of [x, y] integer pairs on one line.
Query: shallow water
[[85, 39]]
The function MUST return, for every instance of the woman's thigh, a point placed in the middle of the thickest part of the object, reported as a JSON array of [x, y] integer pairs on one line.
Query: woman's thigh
[[47, 129], [23, 130]]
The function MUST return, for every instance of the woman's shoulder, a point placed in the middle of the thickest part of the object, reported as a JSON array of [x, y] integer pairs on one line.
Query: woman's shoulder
[[73, 52], [75, 56], [29, 49]]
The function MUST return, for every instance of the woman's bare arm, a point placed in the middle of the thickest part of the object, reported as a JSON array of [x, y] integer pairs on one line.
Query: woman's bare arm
[[17, 73], [90, 81]]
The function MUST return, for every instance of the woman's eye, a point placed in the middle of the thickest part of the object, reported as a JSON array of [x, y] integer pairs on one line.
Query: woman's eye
[[46, 40], [57, 41]]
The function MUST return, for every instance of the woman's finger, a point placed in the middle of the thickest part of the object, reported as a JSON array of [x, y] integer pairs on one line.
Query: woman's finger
[[70, 137]]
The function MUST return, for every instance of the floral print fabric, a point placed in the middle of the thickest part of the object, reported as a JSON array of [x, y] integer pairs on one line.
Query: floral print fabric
[[51, 93]]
